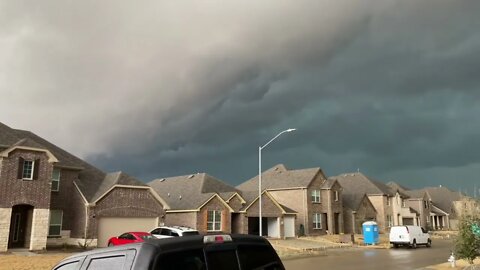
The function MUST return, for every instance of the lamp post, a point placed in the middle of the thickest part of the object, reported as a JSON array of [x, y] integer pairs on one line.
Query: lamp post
[[260, 175]]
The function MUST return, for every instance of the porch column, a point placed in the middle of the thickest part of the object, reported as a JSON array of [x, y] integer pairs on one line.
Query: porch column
[[5, 217], [38, 240]]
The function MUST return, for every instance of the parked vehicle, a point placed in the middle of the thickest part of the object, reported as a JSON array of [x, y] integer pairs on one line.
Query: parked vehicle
[[128, 238], [411, 236], [198, 252], [172, 231]]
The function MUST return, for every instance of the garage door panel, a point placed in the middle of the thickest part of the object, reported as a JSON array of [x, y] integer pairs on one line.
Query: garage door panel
[[114, 226]]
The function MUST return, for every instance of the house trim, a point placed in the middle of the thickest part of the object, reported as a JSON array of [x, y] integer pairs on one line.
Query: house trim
[[155, 195], [221, 200], [238, 195], [51, 157], [271, 198]]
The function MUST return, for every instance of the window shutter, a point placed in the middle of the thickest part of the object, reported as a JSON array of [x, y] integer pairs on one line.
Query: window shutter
[[36, 167], [20, 168]]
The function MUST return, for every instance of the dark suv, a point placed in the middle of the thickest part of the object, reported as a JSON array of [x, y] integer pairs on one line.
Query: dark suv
[[198, 252]]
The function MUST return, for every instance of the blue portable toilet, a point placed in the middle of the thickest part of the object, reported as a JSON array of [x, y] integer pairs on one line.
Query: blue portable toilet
[[370, 233]]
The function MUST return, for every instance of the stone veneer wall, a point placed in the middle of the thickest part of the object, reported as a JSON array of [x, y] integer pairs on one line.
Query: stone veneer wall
[[5, 215], [40, 225]]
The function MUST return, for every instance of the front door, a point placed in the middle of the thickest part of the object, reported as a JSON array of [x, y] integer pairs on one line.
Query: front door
[[18, 225]]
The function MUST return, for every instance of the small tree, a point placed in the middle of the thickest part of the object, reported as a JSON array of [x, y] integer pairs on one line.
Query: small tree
[[467, 244]]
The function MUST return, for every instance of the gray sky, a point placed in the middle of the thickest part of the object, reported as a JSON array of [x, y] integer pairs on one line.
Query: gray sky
[[165, 88]]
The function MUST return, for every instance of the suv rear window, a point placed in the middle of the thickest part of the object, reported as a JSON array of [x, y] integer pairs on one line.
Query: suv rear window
[[252, 257], [189, 259], [258, 257]]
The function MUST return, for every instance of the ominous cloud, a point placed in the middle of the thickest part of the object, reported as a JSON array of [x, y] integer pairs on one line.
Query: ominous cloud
[[164, 88]]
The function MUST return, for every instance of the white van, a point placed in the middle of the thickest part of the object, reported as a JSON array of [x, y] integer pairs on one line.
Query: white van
[[409, 236]]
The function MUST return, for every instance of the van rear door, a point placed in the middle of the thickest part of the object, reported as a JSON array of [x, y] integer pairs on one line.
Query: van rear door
[[399, 234]]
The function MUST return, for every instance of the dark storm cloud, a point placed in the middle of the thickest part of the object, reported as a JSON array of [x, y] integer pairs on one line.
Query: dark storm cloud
[[166, 88]]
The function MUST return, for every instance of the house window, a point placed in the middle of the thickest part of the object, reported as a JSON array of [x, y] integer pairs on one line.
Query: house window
[[28, 166], [389, 221], [214, 220], [28, 169], [404, 204], [56, 179], [317, 221], [425, 204], [56, 217], [316, 196], [336, 195], [388, 201]]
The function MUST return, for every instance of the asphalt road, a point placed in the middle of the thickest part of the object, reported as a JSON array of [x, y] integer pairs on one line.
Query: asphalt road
[[373, 259]]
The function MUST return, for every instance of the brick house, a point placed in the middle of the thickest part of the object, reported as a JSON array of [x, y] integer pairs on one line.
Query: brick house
[[278, 221], [50, 197], [199, 201], [389, 203], [443, 207], [307, 192]]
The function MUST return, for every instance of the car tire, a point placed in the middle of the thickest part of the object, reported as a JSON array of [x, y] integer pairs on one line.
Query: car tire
[[414, 244], [429, 243], [110, 244], [395, 245]]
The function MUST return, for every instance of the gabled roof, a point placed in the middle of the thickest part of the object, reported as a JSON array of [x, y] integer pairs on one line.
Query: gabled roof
[[189, 192], [442, 197], [279, 177], [352, 200], [397, 186], [361, 184], [113, 179], [281, 207], [91, 180]]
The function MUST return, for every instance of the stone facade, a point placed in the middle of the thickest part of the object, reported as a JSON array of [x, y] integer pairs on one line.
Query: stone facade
[[39, 232], [5, 214], [384, 211]]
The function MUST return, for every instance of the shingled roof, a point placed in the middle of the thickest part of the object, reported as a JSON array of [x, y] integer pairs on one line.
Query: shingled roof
[[189, 192], [91, 180], [442, 197], [361, 184], [279, 177]]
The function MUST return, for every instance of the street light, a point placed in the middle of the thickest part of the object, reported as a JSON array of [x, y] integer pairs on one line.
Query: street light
[[260, 175]]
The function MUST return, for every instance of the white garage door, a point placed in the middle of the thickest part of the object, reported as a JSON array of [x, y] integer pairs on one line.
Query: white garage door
[[289, 226], [114, 226]]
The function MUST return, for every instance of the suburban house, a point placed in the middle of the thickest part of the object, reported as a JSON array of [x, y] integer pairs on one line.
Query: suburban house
[[447, 207], [420, 202], [357, 208], [307, 192], [209, 205], [199, 201], [278, 221], [389, 204], [50, 197], [439, 208]]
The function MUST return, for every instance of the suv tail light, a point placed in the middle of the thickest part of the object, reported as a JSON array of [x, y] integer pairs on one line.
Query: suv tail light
[[217, 238]]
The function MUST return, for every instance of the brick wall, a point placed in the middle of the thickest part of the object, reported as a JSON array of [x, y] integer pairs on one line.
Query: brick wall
[[124, 202], [214, 204], [62, 199], [235, 203], [188, 219], [15, 191]]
